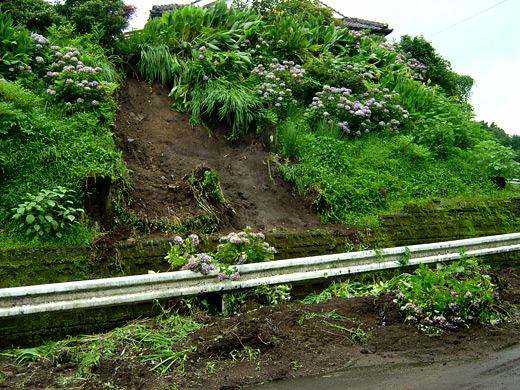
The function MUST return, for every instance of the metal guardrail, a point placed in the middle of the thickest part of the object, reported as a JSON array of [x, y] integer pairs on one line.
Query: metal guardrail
[[142, 288]]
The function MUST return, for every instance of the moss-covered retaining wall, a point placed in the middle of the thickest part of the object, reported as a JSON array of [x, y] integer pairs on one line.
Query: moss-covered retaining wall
[[440, 221], [415, 224]]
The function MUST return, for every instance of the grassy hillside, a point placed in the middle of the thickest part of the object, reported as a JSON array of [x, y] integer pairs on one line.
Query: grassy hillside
[[359, 123]]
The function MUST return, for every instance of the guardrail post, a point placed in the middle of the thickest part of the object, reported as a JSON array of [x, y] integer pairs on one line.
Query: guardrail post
[[225, 302]]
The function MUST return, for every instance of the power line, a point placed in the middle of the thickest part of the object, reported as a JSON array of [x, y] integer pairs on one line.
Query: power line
[[462, 21]]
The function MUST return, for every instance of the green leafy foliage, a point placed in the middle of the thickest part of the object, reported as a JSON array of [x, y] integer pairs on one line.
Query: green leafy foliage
[[449, 297], [15, 47], [438, 70], [273, 295], [350, 177], [273, 9], [45, 142], [50, 212], [107, 16], [35, 15], [17, 109], [496, 159], [374, 123]]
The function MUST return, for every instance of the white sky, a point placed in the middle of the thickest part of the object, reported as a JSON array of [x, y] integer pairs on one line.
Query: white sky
[[483, 43]]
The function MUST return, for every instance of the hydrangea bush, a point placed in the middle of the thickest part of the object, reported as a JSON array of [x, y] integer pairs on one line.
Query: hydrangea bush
[[244, 247], [234, 249], [372, 111], [66, 81], [71, 84], [276, 82], [448, 298]]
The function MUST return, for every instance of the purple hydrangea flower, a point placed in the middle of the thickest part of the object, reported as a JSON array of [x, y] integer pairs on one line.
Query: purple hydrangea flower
[[242, 259]]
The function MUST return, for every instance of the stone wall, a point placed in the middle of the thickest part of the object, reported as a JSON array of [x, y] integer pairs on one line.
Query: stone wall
[[440, 221], [415, 224]]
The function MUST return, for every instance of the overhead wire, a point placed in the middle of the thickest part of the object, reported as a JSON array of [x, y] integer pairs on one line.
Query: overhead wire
[[462, 21]]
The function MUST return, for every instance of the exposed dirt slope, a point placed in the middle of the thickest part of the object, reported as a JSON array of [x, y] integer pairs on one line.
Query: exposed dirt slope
[[162, 149]]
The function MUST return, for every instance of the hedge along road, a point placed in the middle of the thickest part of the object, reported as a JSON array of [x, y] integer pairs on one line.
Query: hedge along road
[[498, 371]]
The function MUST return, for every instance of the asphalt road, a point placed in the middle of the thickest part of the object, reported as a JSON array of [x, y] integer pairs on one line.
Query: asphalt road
[[499, 371]]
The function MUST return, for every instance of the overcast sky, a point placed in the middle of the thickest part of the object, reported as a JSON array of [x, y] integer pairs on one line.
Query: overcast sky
[[481, 38]]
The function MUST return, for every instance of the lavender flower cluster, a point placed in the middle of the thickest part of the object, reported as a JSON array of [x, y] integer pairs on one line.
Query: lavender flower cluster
[[278, 81], [415, 315], [374, 110], [238, 248], [234, 249], [256, 49], [202, 263], [77, 85], [415, 67], [358, 37], [229, 273], [244, 239], [71, 83]]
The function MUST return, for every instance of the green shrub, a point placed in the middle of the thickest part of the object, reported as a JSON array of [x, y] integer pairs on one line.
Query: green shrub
[[48, 213], [455, 295], [495, 159], [20, 97]]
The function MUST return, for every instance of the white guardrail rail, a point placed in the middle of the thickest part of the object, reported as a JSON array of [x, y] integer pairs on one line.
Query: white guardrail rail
[[142, 288]]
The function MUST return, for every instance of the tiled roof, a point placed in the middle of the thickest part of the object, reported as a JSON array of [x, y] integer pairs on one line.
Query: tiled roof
[[158, 10], [362, 24]]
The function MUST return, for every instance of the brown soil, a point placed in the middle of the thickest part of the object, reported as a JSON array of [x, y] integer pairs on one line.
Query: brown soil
[[259, 343], [162, 150], [266, 343]]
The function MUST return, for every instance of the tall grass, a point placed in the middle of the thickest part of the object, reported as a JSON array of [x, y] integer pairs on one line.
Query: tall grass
[[156, 63], [227, 100]]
